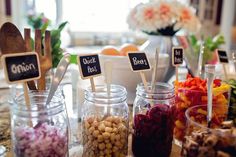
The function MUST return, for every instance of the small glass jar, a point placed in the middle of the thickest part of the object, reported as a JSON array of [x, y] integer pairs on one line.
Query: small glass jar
[[153, 114], [199, 140], [105, 122], [39, 129]]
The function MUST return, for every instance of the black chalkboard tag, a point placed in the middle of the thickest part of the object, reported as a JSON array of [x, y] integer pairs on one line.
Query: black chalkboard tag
[[177, 56], [139, 61], [89, 66], [223, 58], [21, 67]]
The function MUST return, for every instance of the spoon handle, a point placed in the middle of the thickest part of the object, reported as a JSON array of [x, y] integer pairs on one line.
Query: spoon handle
[[60, 72], [210, 74]]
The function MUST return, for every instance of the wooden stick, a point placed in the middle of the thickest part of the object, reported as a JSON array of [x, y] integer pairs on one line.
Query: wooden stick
[[154, 74], [31, 84], [177, 73], [225, 73], [144, 80], [27, 101], [92, 84]]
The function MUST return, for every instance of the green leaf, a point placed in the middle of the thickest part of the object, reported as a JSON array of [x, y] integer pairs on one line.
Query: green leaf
[[62, 25], [73, 59]]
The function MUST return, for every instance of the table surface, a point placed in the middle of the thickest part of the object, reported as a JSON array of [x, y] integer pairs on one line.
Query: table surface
[[67, 88]]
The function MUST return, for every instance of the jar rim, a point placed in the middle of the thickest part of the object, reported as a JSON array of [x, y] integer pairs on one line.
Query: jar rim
[[166, 88], [57, 101], [118, 94]]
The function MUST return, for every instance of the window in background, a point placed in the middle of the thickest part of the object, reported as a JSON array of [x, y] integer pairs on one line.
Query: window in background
[[87, 15]]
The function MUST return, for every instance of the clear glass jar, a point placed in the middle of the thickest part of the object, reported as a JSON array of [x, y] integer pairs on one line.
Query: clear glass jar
[[39, 130], [105, 122], [5, 133], [199, 140], [153, 114]]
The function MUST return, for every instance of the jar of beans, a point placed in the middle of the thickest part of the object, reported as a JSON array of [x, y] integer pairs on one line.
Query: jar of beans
[[105, 122]]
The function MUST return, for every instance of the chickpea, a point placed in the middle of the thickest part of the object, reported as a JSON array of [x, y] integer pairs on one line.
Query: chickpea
[[108, 129], [115, 130], [107, 141], [101, 146], [100, 138], [90, 120], [107, 124], [117, 137], [110, 119], [118, 144], [108, 146], [91, 129], [113, 137], [101, 153], [101, 127], [95, 124], [95, 144], [95, 133], [106, 135], [115, 149]]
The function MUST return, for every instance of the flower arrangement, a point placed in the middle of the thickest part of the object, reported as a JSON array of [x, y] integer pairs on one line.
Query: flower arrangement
[[163, 18]]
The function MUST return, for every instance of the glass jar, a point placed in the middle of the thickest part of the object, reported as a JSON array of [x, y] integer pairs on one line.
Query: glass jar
[[186, 98], [199, 140], [5, 133], [105, 122], [153, 114], [39, 129]]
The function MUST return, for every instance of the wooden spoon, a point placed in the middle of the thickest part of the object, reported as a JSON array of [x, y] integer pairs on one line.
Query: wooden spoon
[[11, 41], [46, 58]]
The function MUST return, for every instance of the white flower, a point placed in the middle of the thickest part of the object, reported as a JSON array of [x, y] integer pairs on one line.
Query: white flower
[[153, 16]]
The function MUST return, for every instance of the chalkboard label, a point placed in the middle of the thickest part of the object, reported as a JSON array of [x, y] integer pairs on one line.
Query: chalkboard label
[[222, 56], [177, 56], [89, 66], [139, 61], [21, 67]]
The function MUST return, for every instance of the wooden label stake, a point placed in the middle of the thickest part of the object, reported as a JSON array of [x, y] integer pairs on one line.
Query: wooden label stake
[[20, 68], [177, 59], [89, 66], [139, 63]]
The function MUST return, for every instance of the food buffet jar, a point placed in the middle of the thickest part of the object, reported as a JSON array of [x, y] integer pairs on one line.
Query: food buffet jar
[[105, 122], [189, 97], [153, 113], [199, 140], [39, 129]]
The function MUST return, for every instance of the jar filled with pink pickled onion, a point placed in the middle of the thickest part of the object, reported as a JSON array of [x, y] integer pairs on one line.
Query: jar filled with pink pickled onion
[[39, 129], [153, 124]]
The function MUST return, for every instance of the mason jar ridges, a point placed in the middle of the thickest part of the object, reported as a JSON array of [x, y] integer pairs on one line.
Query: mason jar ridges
[[153, 121]]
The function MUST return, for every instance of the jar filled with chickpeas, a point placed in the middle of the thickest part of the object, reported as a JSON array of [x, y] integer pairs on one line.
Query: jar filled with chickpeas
[[105, 122]]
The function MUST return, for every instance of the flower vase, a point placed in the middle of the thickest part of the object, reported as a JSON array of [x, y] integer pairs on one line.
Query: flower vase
[[164, 44]]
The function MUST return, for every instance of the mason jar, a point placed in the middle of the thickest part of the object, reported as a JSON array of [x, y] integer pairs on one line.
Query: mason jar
[[105, 122], [39, 129], [153, 113]]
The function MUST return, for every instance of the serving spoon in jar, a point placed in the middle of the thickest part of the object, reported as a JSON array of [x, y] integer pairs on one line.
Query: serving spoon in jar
[[209, 74], [60, 72]]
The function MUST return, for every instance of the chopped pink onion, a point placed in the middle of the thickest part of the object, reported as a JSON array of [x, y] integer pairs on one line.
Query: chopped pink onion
[[43, 141]]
